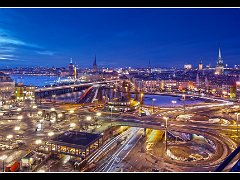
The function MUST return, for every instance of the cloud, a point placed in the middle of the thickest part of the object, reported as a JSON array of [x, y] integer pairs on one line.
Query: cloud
[[6, 40], [49, 53]]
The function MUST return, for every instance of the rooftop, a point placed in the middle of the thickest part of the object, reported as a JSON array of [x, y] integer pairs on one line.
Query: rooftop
[[75, 138]]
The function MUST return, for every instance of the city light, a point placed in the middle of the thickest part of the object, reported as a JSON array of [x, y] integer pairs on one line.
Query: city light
[[98, 114], [17, 128], [38, 141], [52, 109], [60, 115], [72, 125], [19, 109], [88, 118], [71, 111], [34, 107], [20, 117], [10, 136], [3, 157], [50, 133]]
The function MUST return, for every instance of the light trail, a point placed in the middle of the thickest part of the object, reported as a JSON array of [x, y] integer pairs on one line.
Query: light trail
[[108, 144]]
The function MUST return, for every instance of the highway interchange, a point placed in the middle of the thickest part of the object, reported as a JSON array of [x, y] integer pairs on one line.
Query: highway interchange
[[133, 139]]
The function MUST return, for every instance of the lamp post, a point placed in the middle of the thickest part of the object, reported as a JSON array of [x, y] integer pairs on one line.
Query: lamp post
[[3, 157], [174, 102], [98, 114], [184, 98], [10, 136], [153, 99], [70, 115], [237, 122], [166, 120], [111, 113]]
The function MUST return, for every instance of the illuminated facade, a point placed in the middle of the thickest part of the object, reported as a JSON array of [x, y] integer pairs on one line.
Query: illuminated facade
[[24, 92], [73, 143], [71, 68], [220, 66], [200, 66], [7, 87]]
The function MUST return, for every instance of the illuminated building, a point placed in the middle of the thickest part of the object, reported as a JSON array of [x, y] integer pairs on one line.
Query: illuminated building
[[219, 67], [75, 72], [122, 104], [7, 87], [200, 66], [71, 68], [187, 66], [23, 92], [74, 143]]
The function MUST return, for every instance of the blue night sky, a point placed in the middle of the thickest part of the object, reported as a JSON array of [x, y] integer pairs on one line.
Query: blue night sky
[[118, 37]]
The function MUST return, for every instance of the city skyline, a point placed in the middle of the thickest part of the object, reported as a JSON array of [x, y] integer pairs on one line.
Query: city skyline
[[118, 37]]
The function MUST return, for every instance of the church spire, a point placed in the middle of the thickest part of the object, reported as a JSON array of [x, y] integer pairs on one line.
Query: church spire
[[219, 54], [95, 64]]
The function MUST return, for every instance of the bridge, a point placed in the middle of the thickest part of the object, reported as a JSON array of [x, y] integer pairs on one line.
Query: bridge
[[58, 90]]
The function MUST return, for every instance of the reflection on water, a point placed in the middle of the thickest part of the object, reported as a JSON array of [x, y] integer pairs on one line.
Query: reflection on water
[[162, 100]]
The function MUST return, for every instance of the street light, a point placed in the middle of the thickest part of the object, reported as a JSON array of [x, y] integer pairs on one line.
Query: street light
[[19, 109], [72, 125], [50, 134], [88, 118], [98, 114], [20, 117], [237, 122], [174, 102], [10, 136], [141, 98], [184, 98], [17, 128], [71, 112], [38, 141], [166, 120], [153, 99], [3, 157]]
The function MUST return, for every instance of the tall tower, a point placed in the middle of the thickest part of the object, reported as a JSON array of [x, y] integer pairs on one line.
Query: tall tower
[[200, 66], [95, 64], [220, 66], [71, 68]]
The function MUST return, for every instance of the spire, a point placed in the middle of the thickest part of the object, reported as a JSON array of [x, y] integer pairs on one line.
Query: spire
[[220, 60], [95, 64], [219, 54], [70, 60], [95, 61]]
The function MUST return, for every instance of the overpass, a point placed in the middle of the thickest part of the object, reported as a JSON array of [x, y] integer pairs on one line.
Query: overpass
[[58, 90]]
